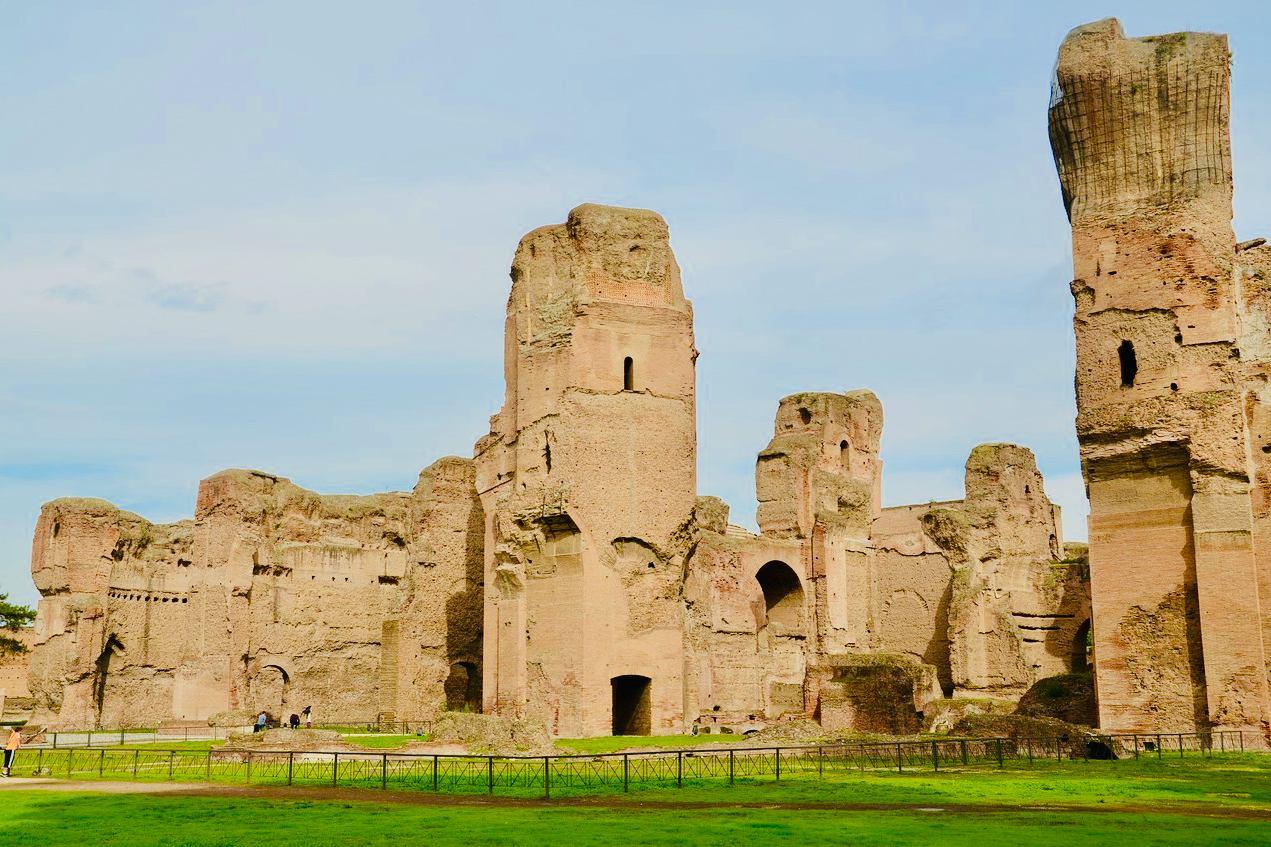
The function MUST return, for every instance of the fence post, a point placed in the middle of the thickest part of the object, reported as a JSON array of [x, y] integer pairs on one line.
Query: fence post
[[335, 769], [1158, 745], [490, 773], [935, 756], [1222, 741], [679, 768], [900, 764], [820, 761], [209, 764], [1241, 736], [291, 766], [39, 762], [70, 757], [384, 772], [249, 767], [962, 745], [998, 743], [55, 741], [121, 736], [434, 773], [730, 767], [547, 779], [777, 753], [626, 772], [101, 763], [1180, 745], [1136, 745], [1030, 750], [90, 739], [172, 754]]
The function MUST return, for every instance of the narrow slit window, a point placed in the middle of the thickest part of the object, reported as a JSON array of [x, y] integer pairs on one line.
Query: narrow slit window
[[628, 374], [1129, 364]]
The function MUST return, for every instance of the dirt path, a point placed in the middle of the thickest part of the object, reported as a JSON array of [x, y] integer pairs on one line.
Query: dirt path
[[422, 798]]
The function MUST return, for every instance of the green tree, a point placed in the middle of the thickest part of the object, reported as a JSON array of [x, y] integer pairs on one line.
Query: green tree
[[12, 617]]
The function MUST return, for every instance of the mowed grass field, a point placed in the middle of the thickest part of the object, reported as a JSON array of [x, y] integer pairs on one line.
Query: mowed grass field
[[1223, 800]]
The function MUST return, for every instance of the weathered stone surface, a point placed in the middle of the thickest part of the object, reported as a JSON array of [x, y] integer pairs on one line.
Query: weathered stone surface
[[1172, 375], [273, 598], [570, 577]]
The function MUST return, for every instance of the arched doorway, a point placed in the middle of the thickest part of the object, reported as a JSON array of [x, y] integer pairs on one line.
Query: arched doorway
[[268, 690], [782, 595], [1081, 648], [463, 688], [632, 705]]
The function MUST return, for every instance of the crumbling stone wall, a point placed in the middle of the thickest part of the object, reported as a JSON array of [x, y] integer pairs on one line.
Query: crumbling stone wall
[[569, 576], [978, 587], [588, 475], [272, 597], [1170, 410]]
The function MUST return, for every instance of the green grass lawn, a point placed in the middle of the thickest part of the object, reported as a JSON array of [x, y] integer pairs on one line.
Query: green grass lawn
[[618, 743], [163, 744], [1116, 803]]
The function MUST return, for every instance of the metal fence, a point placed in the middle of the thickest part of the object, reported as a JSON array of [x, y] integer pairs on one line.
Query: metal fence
[[151, 735], [541, 775]]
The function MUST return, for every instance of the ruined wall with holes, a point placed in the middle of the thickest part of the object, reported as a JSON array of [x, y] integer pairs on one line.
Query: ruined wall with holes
[[272, 597], [588, 476], [570, 572], [1171, 380]]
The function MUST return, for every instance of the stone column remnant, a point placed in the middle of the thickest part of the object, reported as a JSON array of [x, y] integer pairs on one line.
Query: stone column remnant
[[1171, 380]]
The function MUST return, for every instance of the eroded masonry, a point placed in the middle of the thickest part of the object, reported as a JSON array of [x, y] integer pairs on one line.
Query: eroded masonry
[[1173, 360], [570, 571]]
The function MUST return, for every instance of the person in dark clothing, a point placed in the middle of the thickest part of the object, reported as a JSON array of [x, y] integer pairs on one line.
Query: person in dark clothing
[[294, 721]]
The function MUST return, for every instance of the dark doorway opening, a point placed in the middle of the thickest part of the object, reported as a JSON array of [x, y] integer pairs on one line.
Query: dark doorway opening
[[628, 374], [463, 688], [782, 594], [1081, 649], [632, 705]]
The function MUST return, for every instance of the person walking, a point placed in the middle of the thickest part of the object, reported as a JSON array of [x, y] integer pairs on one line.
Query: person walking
[[260, 722], [11, 745], [294, 721], [308, 716]]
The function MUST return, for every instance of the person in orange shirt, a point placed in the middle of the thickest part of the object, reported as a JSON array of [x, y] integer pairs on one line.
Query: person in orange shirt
[[11, 748]]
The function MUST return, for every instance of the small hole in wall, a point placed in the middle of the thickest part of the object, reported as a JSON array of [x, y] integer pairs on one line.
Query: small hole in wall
[[714, 708], [1266, 448], [1173, 386], [57, 528], [652, 565], [1129, 363], [1027, 490], [805, 416], [1178, 338]]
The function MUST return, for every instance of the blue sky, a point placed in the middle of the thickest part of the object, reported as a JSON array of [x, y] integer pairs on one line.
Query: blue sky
[[277, 235]]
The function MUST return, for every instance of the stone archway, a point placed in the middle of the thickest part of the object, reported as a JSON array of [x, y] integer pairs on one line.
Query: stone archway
[[632, 705], [782, 595], [268, 690]]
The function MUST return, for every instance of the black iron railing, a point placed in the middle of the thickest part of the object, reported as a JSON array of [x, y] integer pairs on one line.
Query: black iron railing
[[517, 774]]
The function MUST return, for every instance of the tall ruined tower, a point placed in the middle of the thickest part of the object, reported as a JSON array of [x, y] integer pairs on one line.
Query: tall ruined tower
[[588, 478], [1171, 381]]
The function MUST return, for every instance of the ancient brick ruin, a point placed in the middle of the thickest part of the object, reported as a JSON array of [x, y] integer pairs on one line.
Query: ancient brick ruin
[[570, 571], [1173, 360]]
